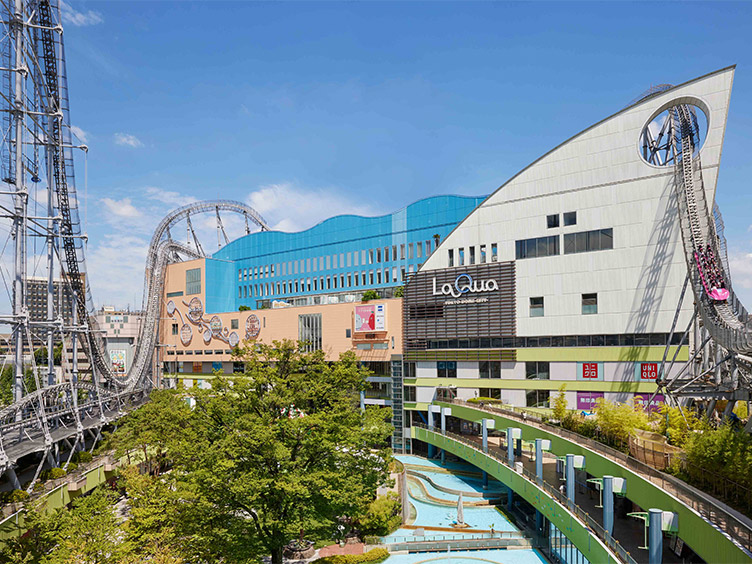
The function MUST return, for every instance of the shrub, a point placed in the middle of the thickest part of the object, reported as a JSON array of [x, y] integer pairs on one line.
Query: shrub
[[244, 308], [82, 457], [399, 292], [485, 400], [72, 467], [370, 295], [617, 420], [382, 517], [18, 495], [51, 474], [560, 404], [373, 555]]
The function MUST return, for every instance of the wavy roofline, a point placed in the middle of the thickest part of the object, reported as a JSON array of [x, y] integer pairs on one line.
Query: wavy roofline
[[365, 217], [576, 135]]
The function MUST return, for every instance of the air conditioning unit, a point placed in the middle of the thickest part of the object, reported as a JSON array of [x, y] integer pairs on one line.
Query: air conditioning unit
[[494, 258]]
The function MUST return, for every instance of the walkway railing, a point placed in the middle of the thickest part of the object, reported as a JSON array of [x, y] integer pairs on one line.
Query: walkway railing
[[552, 491], [735, 526]]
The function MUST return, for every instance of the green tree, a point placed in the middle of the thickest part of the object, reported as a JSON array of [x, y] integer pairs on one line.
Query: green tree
[[87, 532], [560, 404], [382, 517], [399, 292], [369, 295], [617, 420], [153, 428], [285, 447]]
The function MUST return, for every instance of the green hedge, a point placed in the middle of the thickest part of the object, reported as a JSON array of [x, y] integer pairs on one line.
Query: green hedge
[[373, 555]]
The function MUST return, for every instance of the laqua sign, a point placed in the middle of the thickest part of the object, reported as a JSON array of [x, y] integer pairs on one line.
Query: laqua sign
[[464, 284]]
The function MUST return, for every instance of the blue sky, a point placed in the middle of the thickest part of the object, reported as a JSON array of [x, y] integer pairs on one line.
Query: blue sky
[[309, 109]]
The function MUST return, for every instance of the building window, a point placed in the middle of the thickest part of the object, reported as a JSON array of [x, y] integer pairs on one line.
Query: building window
[[402, 252], [348, 333], [193, 281], [489, 369], [472, 255], [370, 256], [552, 221], [536, 307], [570, 218], [309, 331], [378, 254], [386, 276], [446, 369], [451, 257], [589, 304], [482, 254], [461, 256], [536, 248], [537, 370], [586, 241], [174, 328], [386, 254], [409, 393], [410, 251], [233, 324], [493, 393], [537, 398], [418, 249], [494, 252]]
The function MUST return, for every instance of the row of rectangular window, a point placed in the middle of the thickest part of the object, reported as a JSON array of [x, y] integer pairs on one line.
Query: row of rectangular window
[[408, 251], [589, 305], [625, 340], [570, 218], [582, 242], [473, 257], [487, 370], [324, 283]]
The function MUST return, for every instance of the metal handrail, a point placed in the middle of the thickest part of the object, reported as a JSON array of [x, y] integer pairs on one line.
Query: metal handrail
[[737, 529], [552, 491]]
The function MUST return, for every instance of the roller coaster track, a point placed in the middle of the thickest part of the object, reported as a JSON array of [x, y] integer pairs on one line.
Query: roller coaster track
[[727, 321], [43, 419]]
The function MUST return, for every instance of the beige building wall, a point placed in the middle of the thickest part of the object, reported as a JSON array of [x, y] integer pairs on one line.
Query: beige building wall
[[209, 338]]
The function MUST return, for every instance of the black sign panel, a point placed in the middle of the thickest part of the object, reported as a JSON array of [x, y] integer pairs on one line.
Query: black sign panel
[[464, 302]]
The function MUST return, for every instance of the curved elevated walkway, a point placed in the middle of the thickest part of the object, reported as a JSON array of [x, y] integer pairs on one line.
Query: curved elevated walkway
[[716, 533]]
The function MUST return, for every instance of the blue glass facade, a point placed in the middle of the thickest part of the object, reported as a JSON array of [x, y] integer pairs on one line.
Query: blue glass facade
[[343, 254]]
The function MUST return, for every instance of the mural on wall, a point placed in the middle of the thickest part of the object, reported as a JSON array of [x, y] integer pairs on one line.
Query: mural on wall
[[252, 327], [209, 328]]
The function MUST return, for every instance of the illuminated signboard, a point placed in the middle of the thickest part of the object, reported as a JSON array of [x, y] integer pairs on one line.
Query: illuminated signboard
[[370, 318], [646, 371], [655, 405], [587, 400], [590, 371]]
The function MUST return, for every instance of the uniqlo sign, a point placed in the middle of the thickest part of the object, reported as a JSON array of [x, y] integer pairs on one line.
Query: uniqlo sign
[[590, 370], [648, 370]]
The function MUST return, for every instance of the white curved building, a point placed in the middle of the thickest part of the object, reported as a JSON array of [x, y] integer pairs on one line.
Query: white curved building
[[585, 248]]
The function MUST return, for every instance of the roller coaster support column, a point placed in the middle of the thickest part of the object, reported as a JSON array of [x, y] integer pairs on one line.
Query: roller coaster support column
[[431, 410], [444, 412], [512, 434], [608, 504], [655, 536], [570, 478], [486, 425]]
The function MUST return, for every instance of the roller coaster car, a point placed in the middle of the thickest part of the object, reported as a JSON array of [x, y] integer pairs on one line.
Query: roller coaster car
[[714, 293], [719, 294]]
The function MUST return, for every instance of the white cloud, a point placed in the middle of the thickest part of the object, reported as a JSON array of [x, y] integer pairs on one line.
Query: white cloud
[[128, 140], [79, 19], [121, 208], [82, 135], [174, 199], [740, 263], [116, 267], [290, 208]]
